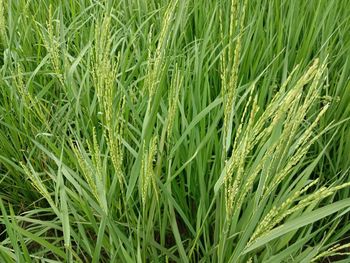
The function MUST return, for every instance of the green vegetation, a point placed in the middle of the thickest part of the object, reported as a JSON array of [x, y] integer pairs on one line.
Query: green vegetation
[[174, 131]]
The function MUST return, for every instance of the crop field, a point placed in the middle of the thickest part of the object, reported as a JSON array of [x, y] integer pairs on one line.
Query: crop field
[[175, 131]]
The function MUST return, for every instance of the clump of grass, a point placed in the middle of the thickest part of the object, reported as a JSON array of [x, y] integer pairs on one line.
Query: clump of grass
[[174, 131]]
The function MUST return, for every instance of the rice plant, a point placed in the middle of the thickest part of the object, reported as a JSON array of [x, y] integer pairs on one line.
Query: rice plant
[[174, 131]]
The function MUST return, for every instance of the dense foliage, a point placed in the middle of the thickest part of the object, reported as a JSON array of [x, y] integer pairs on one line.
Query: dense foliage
[[174, 131]]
